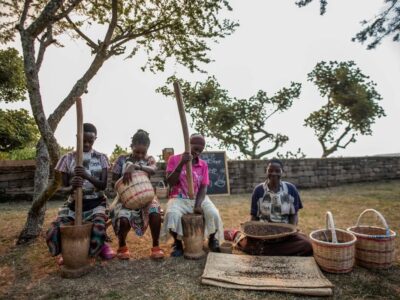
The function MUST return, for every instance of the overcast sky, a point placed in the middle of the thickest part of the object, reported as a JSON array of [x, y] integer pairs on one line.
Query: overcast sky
[[276, 43]]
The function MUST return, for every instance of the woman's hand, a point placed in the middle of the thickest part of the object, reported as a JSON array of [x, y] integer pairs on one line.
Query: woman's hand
[[81, 172], [186, 157], [132, 167], [76, 182], [127, 178]]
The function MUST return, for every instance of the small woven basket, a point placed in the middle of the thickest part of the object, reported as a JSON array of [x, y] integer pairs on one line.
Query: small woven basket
[[375, 247], [334, 249], [138, 194], [268, 232], [162, 190]]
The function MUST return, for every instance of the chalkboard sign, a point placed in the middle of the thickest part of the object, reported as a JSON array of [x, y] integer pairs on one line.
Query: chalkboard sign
[[217, 171]]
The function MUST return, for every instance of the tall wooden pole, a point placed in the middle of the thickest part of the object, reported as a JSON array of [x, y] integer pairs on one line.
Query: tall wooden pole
[[79, 158], [185, 130]]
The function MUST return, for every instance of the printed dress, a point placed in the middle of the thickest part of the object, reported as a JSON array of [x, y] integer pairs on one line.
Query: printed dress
[[93, 202], [138, 219]]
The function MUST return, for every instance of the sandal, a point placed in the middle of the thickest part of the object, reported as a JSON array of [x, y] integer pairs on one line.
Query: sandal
[[229, 234], [157, 253], [213, 245], [177, 250], [107, 252], [123, 253], [60, 260]]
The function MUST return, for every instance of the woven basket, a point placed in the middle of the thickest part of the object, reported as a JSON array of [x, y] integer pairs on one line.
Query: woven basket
[[138, 194], [375, 247], [161, 190], [334, 249], [269, 232]]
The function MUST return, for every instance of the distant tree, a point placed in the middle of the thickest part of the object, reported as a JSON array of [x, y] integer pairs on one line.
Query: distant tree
[[291, 155], [17, 130], [118, 150], [178, 30], [235, 123], [12, 77], [384, 24], [352, 105]]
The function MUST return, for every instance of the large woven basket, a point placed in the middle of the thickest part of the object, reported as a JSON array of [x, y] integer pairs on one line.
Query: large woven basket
[[162, 190], [334, 249], [375, 247], [138, 194], [269, 232]]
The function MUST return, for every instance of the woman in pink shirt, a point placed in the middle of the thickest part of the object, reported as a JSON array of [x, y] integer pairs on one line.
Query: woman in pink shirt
[[179, 202]]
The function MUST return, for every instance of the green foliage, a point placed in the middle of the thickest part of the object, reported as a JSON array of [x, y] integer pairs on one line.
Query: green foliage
[[161, 29], [27, 153], [118, 150], [235, 123], [65, 150], [12, 77], [17, 130], [352, 105], [290, 155], [385, 23]]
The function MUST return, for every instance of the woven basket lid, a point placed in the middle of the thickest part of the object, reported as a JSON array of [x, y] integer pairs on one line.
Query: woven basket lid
[[268, 231]]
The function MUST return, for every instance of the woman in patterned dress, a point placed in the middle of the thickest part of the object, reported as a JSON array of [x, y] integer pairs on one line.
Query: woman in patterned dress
[[92, 177], [123, 218]]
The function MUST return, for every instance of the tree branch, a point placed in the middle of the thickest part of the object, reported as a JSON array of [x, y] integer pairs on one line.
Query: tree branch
[[276, 146], [81, 84], [24, 14], [90, 42], [48, 16], [45, 41]]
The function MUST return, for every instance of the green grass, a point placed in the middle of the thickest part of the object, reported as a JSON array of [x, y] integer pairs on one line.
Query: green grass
[[28, 272]]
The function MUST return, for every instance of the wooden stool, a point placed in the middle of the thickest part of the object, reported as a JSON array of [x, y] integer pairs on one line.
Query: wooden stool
[[193, 235]]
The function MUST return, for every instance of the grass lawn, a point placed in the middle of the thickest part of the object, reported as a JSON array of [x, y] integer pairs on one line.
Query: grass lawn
[[28, 272]]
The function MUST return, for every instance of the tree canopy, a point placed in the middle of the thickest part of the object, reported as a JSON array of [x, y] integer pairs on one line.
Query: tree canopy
[[386, 23], [235, 123], [352, 105], [12, 77], [17, 130]]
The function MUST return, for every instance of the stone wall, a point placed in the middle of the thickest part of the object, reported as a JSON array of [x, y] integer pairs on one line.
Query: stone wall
[[16, 177], [311, 173]]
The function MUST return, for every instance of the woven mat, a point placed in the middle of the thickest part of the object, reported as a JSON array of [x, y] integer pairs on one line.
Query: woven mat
[[299, 275]]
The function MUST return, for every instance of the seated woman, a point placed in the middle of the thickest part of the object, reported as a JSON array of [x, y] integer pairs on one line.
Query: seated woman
[[92, 177], [179, 202], [278, 202], [123, 219]]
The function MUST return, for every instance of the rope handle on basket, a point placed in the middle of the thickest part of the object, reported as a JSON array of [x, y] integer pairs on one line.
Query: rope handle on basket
[[381, 217], [330, 225]]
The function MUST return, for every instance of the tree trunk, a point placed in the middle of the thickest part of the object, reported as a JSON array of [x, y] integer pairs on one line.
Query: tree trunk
[[35, 217]]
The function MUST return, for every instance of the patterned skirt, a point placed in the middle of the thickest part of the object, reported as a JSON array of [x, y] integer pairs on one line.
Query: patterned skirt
[[139, 218]]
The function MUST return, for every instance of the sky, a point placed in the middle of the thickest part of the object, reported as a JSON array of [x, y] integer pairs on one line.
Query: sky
[[276, 43]]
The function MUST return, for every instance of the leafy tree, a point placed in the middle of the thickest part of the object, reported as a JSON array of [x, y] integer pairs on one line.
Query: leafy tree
[[384, 24], [352, 105], [118, 150], [17, 130], [12, 77], [291, 155], [235, 123], [161, 29]]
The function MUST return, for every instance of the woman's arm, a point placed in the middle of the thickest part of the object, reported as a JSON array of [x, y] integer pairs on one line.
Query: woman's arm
[[201, 194], [173, 177]]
